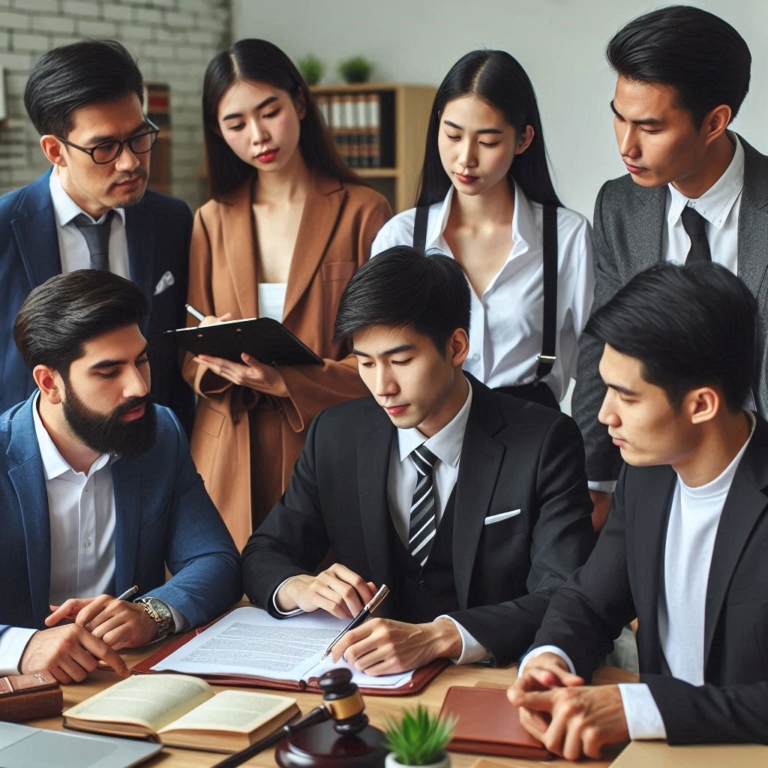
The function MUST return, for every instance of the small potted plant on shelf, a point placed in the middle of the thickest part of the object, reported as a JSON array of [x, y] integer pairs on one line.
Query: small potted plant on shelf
[[418, 738], [356, 70], [311, 68]]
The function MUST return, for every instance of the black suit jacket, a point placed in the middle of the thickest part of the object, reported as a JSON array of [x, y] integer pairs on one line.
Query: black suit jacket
[[624, 577], [628, 232], [515, 455], [158, 230]]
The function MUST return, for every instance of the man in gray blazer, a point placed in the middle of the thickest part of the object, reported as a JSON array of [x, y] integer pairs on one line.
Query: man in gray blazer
[[695, 191]]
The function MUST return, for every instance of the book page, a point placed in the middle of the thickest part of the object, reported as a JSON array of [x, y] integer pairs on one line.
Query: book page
[[152, 702], [242, 711], [249, 641]]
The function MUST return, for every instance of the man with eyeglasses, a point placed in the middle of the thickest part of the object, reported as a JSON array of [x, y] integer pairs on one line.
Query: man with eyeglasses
[[93, 209]]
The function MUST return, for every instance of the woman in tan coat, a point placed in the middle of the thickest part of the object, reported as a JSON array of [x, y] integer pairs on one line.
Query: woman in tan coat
[[287, 227]]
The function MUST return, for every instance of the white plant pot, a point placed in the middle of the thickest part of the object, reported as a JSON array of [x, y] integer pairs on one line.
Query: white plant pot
[[391, 762]]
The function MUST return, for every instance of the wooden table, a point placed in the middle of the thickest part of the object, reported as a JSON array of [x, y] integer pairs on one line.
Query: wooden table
[[377, 708]]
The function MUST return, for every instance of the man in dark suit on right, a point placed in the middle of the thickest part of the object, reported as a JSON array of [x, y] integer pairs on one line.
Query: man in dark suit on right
[[684, 548], [695, 191]]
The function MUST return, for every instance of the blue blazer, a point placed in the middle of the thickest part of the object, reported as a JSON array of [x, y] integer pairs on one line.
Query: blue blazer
[[158, 230], [164, 516]]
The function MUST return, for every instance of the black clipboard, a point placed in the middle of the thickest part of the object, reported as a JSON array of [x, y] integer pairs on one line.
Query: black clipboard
[[265, 339]]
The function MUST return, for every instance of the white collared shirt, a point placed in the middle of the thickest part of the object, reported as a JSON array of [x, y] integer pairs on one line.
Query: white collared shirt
[[72, 246], [506, 330], [719, 205], [694, 518]]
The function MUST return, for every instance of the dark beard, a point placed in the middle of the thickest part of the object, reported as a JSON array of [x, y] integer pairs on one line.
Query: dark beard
[[107, 434]]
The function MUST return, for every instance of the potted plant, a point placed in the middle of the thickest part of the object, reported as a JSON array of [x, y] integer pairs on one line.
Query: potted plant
[[418, 738], [356, 70], [311, 68]]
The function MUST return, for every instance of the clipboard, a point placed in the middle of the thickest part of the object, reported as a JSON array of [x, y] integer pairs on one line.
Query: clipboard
[[267, 340]]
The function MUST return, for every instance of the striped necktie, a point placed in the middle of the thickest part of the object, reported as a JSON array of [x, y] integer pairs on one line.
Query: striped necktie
[[423, 526]]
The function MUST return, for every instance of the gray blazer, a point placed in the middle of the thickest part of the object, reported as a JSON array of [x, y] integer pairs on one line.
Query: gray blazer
[[628, 229]]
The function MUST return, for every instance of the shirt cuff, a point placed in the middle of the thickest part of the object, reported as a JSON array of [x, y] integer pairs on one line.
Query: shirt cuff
[[280, 612], [644, 720], [545, 649], [604, 486], [471, 650], [13, 643]]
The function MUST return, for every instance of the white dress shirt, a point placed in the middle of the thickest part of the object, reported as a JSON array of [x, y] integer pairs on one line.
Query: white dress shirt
[[694, 518], [72, 246], [82, 515], [506, 331], [272, 300]]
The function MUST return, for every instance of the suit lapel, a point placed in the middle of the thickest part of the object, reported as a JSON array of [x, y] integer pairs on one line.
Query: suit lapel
[[140, 227], [34, 229], [240, 248], [753, 220], [481, 457], [744, 506], [126, 482], [318, 223], [28, 479], [373, 453]]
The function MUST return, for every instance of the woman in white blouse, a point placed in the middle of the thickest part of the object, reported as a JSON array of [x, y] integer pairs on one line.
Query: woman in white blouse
[[486, 193]]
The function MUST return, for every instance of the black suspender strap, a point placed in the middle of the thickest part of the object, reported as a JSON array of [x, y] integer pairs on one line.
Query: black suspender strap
[[549, 335], [420, 228]]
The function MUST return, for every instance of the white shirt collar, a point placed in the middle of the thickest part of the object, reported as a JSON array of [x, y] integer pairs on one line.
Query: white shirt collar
[[65, 208], [716, 203], [445, 444], [524, 228], [54, 464]]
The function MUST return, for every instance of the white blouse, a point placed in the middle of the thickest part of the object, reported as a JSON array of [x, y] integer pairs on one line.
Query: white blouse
[[506, 329], [272, 300]]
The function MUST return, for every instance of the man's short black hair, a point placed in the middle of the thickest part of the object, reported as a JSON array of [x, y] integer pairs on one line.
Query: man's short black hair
[[66, 311], [703, 57], [688, 326], [401, 287], [74, 76]]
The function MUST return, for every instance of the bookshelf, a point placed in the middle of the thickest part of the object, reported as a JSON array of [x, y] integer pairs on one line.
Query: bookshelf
[[391, 126], [157, 103]]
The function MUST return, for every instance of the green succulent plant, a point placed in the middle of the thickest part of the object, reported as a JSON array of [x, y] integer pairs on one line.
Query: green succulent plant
[[356, 70], [418, 738], [311, 68]]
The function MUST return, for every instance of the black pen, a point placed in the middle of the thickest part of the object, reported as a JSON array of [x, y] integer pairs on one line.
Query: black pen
[[372, 605]]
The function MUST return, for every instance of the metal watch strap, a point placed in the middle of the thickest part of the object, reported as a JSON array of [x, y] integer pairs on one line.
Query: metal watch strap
[[160, 613]]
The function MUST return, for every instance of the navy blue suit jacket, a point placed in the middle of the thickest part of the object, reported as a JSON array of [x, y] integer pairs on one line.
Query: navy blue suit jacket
[[164, 516], [158, 230]]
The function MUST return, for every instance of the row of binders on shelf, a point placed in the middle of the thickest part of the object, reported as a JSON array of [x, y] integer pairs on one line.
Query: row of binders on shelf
[[362, 125]]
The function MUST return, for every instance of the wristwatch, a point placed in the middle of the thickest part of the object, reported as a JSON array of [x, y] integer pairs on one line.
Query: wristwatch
[[160, 613]]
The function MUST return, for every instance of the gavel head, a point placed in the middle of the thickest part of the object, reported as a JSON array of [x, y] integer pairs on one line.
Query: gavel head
[[343, 701]]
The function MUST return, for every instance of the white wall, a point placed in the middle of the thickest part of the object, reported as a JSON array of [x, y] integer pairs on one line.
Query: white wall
[[560, 43]]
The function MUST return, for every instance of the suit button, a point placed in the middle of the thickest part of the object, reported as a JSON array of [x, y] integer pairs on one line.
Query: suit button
[[423, 585]]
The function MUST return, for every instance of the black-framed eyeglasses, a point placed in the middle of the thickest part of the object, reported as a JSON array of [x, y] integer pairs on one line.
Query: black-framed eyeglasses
[[109, 151]]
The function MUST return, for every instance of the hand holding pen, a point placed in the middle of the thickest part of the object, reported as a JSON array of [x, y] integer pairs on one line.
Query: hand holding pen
[[368, 609]]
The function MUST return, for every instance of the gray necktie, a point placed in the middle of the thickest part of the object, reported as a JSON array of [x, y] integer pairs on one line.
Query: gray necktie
[[96, 238], [693, 222], [423, 525]]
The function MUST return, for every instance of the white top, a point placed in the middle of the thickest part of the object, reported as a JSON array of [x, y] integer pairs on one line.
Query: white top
[[506, 329], [691, 530], [272, 300], [82, 514], [719, 205], [72, 246]]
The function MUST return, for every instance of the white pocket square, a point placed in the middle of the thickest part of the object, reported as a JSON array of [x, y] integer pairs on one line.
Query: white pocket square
[[166, 281], [501, 516]]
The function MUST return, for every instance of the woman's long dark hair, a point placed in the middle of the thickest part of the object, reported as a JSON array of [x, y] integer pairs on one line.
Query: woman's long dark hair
[[261, 61], [498, 79]]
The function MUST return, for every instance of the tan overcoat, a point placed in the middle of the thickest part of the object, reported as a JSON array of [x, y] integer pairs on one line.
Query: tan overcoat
[[337, 228]]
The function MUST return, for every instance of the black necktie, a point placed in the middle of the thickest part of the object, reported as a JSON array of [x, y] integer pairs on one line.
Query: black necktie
[[96, 238], [693, 222], [423, 526]]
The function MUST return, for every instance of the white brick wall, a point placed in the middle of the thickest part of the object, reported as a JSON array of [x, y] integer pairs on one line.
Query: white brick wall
[[173, 41]]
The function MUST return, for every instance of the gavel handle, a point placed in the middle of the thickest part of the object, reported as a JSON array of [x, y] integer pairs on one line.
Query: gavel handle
[[317, 715]]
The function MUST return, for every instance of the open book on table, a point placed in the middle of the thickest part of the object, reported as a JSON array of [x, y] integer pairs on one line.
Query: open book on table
[[249, 647], [182, 711]]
